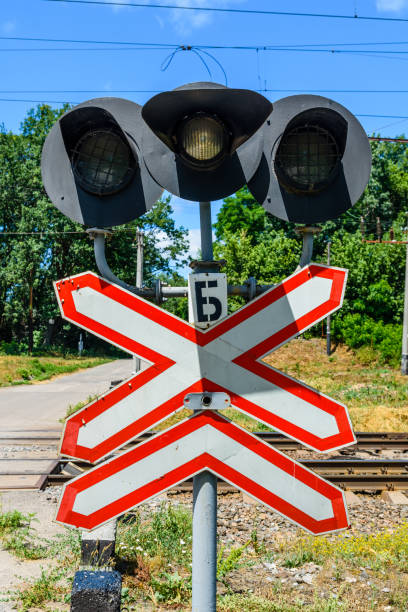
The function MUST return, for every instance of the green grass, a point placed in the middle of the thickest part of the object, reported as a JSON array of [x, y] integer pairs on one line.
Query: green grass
[[166, 536], [21, 369]]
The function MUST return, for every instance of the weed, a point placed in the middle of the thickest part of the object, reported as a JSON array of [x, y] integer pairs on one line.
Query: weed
[[170, 588], [13, 520], [252, 603], [16, 536], [226, 563], [375, 550], [298, 558], [44, 589], [167, 536], [72, 408], [259, 548]]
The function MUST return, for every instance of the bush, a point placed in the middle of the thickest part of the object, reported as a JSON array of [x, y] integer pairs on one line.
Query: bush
[[358, 330]]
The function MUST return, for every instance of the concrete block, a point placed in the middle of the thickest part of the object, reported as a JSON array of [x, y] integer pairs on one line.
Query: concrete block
[[394, 498], [96, 590], [352, 499], [98, 545]]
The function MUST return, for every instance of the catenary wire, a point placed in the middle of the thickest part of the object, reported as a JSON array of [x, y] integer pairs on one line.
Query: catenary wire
[[171, 45], [232, 10]]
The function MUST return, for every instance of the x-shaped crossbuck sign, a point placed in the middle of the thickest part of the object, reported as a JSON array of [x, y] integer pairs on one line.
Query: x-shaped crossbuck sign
[[184, 359], [206, 441]]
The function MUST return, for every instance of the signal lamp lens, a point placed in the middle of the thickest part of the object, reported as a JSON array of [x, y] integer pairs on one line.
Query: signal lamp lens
[[103, 162], [307, 158], [203, 139]]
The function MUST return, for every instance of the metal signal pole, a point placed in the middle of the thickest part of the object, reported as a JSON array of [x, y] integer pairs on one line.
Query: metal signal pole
[[404, 353], [139, 280], [140, 256], [204, 566]]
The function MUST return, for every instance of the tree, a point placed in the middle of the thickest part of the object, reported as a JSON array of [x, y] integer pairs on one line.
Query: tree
[[45, 245], [241, 213]]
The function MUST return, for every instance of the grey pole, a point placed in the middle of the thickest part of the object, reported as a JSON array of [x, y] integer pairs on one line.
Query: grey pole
[[140, 256], [328, 320], [206, 233], [204, 569], [307, 232], [139, 282], [404, 356]]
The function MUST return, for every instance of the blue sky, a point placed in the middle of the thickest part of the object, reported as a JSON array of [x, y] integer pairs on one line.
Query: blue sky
[[44, 71]]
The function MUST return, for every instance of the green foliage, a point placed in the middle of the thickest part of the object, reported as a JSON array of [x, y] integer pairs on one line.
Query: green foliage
[[298, 558], [226, 563], [358, 330], [170, 588], [44, 370], [45, 588], [32, 261], [270, 260], [375, 277], [255, 245], [16, 536], [377, 550], [167, 535], [241, 213], [10, 521]]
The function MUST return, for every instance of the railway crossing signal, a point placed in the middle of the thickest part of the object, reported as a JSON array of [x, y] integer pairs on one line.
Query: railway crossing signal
[[206, 441], [184, 360], [106, 162]]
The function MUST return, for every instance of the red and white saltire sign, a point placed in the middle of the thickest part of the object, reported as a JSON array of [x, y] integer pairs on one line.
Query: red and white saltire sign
[[206, 441], [185, 359]]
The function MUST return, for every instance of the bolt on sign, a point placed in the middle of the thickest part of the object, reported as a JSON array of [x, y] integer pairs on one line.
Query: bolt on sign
[[185, 360]]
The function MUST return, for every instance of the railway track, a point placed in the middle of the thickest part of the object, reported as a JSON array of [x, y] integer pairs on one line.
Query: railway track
[[344, 470], [373, 441]]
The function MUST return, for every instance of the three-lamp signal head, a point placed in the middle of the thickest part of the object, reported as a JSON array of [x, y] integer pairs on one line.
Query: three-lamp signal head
[[107, 161]]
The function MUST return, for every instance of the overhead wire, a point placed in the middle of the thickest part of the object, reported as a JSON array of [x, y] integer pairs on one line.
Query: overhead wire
[[213, 9], [161, 44], [375, 53], [263, 89], [158, 91]]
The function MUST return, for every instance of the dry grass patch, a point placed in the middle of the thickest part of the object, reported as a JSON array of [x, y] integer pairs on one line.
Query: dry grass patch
[[376, 395]]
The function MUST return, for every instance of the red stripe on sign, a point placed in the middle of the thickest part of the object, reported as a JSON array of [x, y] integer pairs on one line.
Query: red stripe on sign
[[201, 462], [345, 434], [65, 288]]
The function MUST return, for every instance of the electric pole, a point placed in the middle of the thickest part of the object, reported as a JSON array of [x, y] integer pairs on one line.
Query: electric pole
[[328, 321]]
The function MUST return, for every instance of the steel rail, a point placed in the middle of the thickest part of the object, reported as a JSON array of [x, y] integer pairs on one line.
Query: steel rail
[[365, 440], [355, 474]]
